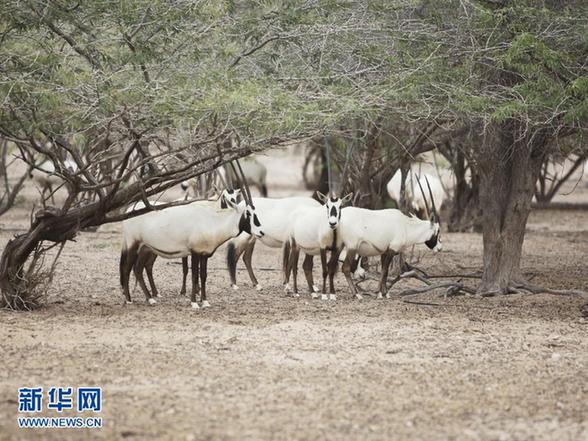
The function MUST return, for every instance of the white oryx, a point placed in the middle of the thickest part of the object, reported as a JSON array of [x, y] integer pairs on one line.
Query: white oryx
[[415, 198], [146, 258], [277, 217], [315, 231], [385, 233], [46, 178], [192, 229]]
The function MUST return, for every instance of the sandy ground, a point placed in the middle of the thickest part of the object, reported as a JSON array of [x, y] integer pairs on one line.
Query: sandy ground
[[260, 365]]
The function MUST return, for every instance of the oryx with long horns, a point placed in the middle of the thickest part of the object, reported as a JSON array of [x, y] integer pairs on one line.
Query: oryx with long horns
[[314, 231], [194, 230], [385, 233], [146, 258]]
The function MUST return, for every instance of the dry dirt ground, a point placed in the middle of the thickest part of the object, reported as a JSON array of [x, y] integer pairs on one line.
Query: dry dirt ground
[[260, 365]]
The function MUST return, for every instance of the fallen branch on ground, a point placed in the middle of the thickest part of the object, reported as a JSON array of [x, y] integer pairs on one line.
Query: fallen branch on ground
[[453, 288], [536, 289]]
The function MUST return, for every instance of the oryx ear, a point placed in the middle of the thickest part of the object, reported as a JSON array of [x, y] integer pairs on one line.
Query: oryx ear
[[321, 197], [347, 198]]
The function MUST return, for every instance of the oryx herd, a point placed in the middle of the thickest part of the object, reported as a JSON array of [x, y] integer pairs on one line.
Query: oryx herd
[[295, 224]]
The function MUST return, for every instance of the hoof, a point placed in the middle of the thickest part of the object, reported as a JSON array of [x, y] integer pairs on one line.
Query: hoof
[[379, 296], [195, 305], [324, 297], [157, 295], [332, 296], [314, 295], [128, 302], [235, 287], [205, 304], [182, 293], [387, 296], [152, 301], [258, 287], [315, 288], [358, 296], [296, 294], [287, 287]]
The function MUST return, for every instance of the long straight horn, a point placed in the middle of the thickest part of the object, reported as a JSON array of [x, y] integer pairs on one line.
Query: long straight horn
[[435, 214], [240, 182], [245, 182], [329, 171], [424, 197]]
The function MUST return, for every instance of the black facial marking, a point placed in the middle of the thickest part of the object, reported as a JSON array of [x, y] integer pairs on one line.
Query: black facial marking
[[333, 211], [256, 221], [224, 203], [244, 224], [432, 242]]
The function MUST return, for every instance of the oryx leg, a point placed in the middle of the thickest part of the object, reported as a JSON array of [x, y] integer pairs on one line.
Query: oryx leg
[[325, 269], [333, 263], [386, 260], [143, 257], [128, 259], [203, 274], [285, 264], [307, 265], [149, 270], [347, 272], [185, 275], [247, 255], [195, 283], [293, 267], [234, 252]]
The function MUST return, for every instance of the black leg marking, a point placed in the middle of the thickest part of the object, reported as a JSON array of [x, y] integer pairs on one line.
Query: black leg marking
[[195, 286], [307, 265], [184, 274]]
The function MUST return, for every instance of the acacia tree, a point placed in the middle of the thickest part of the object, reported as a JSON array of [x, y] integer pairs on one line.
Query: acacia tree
[[157, 87], [515, 74], [141, 95], [537, 87]]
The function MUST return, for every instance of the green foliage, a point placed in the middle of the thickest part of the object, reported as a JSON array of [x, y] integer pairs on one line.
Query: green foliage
[[276, 68]]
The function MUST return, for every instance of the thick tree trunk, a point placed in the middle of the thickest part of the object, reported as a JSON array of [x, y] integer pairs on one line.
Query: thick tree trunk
[[509, 170]]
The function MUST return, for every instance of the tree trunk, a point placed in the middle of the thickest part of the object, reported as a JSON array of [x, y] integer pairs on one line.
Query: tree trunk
[[509, 171], [465, 210], [323, 182]]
